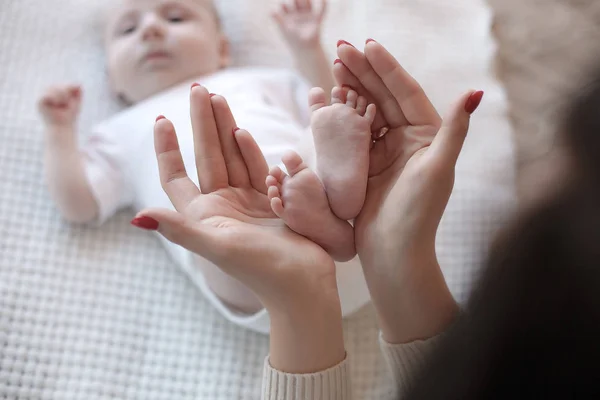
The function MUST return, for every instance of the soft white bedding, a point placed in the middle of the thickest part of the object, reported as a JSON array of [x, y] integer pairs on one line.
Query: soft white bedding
[[103, 313]]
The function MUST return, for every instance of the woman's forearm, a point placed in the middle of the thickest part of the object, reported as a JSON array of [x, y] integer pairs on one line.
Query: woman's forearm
[[307, 336]]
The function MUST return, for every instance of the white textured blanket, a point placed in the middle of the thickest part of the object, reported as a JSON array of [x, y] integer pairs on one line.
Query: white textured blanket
[[103, 313]]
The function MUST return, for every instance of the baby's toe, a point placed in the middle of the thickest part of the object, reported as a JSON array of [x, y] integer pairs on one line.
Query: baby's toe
[[351, 98], [293, 162], [277, 174], [273, 192], [361, 105], [316, 98], [337, 95]]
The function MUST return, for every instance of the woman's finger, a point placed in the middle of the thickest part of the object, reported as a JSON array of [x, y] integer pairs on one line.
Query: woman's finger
[[406, 91], [344, 77], [234, 163], [179, 230], [449, 140], [173, 177], [358, 64], [210, 164], [254, 159]]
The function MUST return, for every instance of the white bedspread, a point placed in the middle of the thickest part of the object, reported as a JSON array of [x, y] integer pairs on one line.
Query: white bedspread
[[103, 313]]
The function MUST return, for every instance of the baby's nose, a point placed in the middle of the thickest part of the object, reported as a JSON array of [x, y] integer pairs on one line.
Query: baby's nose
[[152, 29]]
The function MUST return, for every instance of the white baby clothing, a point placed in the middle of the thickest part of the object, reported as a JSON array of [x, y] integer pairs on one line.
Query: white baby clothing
[[272, 104]]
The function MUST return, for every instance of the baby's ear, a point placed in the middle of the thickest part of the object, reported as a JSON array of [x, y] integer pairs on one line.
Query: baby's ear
[[224, 51]]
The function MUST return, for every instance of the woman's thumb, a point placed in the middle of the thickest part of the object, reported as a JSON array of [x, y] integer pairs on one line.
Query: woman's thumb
[[450, 138], [170, 224]]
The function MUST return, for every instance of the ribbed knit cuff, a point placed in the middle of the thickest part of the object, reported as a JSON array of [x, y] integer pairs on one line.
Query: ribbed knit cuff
[[331, 384], [405, 360]]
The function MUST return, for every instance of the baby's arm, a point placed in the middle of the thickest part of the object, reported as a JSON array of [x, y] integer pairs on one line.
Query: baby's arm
[[300, 24], [64, 166]]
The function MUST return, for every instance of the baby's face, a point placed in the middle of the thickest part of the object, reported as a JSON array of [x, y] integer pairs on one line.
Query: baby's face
[[152, 45]]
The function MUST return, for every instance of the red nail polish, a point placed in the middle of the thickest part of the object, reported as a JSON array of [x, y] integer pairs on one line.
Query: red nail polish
[[212, 95], [370, 40], [341, 42], [160, 117], [473, 102], [337, 61], [195, 84], [147, 223], [235, 130]]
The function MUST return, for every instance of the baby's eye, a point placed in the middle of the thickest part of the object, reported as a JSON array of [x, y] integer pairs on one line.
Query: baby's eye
[[175, 19], [127, 29]]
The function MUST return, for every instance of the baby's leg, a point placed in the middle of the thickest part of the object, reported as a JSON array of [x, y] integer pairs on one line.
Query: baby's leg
[[342, 136], [299, 199]]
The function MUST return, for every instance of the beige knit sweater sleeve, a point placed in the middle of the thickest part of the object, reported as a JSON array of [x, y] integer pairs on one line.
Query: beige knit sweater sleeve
[[334, 384]]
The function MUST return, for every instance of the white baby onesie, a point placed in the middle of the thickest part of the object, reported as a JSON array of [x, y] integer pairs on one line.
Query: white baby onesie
[[272, 104]]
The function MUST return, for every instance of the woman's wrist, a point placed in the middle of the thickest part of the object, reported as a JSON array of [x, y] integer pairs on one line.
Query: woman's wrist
[[411, 297], [306, 333]]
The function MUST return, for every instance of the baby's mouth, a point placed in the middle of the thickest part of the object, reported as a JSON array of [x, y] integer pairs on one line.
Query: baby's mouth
[[156, 57]]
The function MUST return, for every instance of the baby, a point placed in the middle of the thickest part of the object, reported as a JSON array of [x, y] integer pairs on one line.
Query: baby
[[155, 50]]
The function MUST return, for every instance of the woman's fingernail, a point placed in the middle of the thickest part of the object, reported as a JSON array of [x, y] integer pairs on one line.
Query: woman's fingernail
[[147, 223], [473, 102], [160, 117], [341, 42], [195, 84], [212, 95], [337, 61], [370, 40], [235, 130], [347, 87]]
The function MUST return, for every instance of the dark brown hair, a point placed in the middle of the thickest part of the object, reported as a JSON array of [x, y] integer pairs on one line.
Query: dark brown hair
[[531, 328]]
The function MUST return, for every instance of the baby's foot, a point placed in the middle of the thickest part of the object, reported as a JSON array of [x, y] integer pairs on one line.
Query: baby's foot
[[299, 199], [342, 135]]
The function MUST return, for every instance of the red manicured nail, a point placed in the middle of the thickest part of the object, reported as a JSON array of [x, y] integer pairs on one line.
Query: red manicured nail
[[212, 95], [160, 117], [195, 84], [341, 42], [473, 102], [147, 223], [370, 40], [337, 61], [235, 130]]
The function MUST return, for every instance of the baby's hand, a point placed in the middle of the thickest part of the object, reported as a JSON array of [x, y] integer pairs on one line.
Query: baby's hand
[[300, 23], [60, 105]]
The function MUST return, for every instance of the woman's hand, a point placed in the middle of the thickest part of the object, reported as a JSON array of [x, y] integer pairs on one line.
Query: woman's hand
[[411, 177], [229, 222]]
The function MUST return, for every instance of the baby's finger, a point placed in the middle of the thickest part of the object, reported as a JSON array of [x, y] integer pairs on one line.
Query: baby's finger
[[323, 9], [75, 92], [301, 5], [277, 17]]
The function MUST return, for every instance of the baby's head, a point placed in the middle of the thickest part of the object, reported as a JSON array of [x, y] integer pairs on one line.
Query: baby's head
[[152, 45]]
